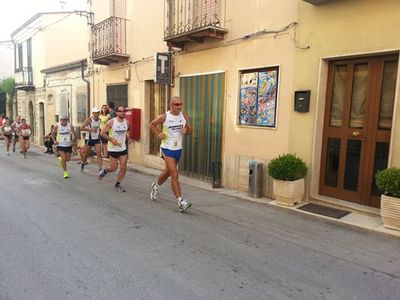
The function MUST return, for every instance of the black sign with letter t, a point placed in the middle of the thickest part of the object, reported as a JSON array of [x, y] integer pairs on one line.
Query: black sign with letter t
[[163, 69]]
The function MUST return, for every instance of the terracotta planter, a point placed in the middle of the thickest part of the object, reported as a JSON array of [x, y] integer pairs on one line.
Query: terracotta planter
[[288, 192], [390, 212]]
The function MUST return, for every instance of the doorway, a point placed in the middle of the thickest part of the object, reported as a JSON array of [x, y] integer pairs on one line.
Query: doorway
[[202, 97], [357, 127], [41, 121]]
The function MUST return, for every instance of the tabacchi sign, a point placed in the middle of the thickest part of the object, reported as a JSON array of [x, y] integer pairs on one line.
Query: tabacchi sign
[[163, 69]]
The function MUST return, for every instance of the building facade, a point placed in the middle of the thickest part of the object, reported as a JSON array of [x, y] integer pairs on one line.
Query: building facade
[[350, 66], [45, 42], [258, 79]]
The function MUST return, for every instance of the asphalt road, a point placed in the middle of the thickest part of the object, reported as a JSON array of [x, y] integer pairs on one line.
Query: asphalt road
[[78, 239]]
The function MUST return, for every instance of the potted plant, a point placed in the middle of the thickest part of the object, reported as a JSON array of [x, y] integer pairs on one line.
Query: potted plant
[[288, 172], [388, 181]]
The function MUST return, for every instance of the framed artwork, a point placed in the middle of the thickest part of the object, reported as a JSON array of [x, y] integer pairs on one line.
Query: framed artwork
[[258, 97]]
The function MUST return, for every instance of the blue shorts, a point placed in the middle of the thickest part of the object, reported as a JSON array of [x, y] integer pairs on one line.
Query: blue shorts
[[171, 153]]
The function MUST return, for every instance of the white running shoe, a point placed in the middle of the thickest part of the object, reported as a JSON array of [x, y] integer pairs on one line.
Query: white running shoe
[[183, 204], [119, 188], [154, 191], [102, 173]]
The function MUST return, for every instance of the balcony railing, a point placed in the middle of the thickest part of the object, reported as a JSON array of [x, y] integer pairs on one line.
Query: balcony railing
[[109, 41], [192, 21], [24, 79]]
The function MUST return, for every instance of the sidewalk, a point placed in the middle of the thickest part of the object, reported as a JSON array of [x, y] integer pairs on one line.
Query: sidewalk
[[357, 219], [363, 221]]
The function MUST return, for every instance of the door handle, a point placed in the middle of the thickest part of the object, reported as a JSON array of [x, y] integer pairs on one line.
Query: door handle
[[355, 133]]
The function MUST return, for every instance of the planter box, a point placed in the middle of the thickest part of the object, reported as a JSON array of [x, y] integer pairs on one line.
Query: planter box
[[288, 192], [390, 212]]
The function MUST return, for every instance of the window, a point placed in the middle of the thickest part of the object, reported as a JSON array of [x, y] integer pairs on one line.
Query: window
[[29, 52], [81, 107], [62, 105], [18, 58], [118, 94], [118, 8], [258, 97]]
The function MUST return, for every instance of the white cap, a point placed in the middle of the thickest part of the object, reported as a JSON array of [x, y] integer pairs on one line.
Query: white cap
[[64, 118], [95, 109]]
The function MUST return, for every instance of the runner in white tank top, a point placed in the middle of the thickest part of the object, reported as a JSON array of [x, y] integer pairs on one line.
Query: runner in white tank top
[[174, 125], [7, 131], [63, 136], [116, 133], [172, 128], [92, 139], [15, 126]]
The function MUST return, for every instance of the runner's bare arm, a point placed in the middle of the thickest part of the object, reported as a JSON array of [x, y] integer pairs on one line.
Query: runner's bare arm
[[106, 129], [154, 126], [128, 138], [73, 133], [85, 124], [188, 128], [53, 134]]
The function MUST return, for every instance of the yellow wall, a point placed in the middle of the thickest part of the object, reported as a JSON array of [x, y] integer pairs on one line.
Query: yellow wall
[[145, 29], [334, 30]]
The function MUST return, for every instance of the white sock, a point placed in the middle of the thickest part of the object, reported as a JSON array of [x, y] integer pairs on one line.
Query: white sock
[[179, 199]]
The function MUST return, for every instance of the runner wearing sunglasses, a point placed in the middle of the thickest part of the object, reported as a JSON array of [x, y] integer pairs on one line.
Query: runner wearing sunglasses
[[116, 133], [170, 128]]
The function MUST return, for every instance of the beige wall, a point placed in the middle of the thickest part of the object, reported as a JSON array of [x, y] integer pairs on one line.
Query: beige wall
[[61, 40], [66, 41], [334, 30], [244, 143], [144, 39], [240, 143]]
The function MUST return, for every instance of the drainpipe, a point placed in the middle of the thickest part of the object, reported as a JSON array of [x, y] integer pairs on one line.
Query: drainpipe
[[171, 83], [83, 65]]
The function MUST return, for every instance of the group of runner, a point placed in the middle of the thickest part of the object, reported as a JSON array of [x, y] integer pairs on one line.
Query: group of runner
[[18, 131], [109, 127]]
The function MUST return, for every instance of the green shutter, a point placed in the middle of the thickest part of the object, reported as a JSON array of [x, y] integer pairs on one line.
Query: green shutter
[[203, 100]]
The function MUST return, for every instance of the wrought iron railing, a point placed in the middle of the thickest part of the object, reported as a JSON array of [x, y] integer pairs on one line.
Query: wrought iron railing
[[185, 16], [109, 37], [24, 77]]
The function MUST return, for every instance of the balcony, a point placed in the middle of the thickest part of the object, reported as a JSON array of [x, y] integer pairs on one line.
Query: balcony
[[24, 79], [192, 21], [109, 41]]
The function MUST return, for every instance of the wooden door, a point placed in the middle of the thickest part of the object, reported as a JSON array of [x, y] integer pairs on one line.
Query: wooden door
[[357, 127]]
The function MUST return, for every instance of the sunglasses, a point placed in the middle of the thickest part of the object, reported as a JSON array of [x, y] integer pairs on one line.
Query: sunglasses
[[178, 104], [120, 111]]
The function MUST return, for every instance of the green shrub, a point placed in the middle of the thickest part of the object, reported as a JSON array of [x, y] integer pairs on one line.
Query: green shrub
[[287, 167], [388, 181]]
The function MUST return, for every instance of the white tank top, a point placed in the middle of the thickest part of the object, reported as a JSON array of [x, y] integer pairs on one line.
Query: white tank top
[[7, 130], [93, 135], [172, 130], [16, 126], [118, 131], [64, 137]]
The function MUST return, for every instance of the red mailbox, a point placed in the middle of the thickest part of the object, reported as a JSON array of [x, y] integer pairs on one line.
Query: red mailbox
[[133, 115]]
